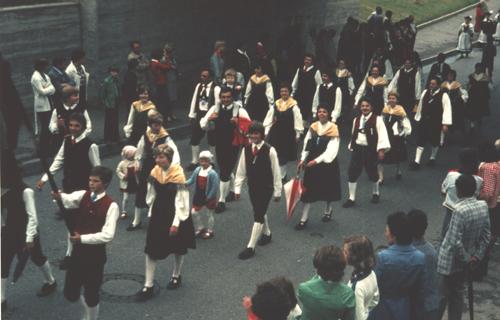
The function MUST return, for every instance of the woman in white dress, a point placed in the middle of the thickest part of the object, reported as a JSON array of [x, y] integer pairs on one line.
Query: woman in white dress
[[465, 34]]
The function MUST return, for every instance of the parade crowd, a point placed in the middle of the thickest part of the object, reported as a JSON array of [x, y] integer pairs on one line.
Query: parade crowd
[[259, 112]]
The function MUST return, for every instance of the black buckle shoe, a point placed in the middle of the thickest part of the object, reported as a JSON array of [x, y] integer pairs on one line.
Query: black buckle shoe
[[414, 166], [348, 204], [174, 283], [220, 208], [246, 254], [47, 289], [327, 217], [301, 225], [375, 198], [144, 294], [131, 227], [265, 239]]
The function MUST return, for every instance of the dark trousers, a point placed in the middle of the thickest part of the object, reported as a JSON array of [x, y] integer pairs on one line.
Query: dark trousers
[[452, 289], [259, 198], [197, 133], [227, 156], [9, 252], [363, 157], [44, 132], [446, 222], [111, 125], [86, 274]]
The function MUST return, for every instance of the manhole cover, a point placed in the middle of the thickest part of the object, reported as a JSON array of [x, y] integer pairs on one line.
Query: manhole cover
[[122, 287]]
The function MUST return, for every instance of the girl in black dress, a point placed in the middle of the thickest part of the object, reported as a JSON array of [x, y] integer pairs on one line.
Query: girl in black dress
[[259, 95], [374, 88], [479, 97], [171, 227], [458, 98], [398, 128], [321, 168], [284, 126], [138, 117]]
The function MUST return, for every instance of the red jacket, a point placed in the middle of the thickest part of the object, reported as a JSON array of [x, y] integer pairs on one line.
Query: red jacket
[[159, 71]]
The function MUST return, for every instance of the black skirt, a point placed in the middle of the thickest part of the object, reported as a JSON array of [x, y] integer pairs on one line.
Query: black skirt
[[322, 183], [397, 153]]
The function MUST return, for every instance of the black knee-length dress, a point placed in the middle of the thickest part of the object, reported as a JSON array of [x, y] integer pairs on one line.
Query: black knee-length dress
[[396, 118]]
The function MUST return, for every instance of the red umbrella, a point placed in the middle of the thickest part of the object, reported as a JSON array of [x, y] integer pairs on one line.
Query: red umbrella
[[293, 191]]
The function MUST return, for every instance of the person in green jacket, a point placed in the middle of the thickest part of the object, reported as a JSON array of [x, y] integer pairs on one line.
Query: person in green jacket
[[110, 98], [324, 297]]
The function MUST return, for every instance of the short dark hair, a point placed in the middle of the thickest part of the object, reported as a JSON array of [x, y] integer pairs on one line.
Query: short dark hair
[[210, 73], [80, 118], [321, 106], [366, 99], [469, 161], [438, 80], [134, 42], [270, 302], [378, 9], [441, 56], [41, 64], [400, 228], [330, 263], [360, 252], [225, 90], [328, 72], [285, 85], [418, 221], [287, 286], [104, 173], [309, 55], [465, 185], [256, 127], [77, 54], [142, 89], [58, 60]]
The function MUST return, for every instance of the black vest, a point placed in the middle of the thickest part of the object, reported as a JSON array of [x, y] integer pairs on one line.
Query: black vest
[[259, 170], [62, 113], [76, 164], [432, 107], [306, 81], [327, 97], [224, 128], [370, 130], [16, 219], [208, 96]]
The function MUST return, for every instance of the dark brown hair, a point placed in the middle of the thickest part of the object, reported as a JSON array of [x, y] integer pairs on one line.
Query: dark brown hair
[[330, 263], [360, 253]]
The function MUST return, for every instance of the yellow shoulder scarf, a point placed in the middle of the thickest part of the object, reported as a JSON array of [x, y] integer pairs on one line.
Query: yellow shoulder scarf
[[259, 80], [451, 86], [343, 73], [398, 111], [152, 137], [174, 174], [330, 131], [284, 105], [380, 81], [140, 107]]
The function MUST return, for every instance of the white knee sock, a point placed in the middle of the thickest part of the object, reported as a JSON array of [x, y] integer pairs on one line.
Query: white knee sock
[[4, 287], [69, 247], [329, 207], [212, 151], [256, 232], [210, 219], [441, 138], [197, 219], [283, 171], [231, 183], [179, 260], [137, 216], [150, 272], [266, 229], [86, 308], [352, 190], [434, 153], [47, 272], [418, 154], [398, 170], [124, 201], [195, 152], [305, 212], [93, 312], [380, 169], [223, 190], [375, 189]]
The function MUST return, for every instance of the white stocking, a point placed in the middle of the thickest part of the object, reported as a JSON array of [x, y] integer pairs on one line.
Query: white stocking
[[434, 153], [4, 287], [150, 272], [352, 190], [85, 308], [197, 219], [283, 171], [137, 216], [179, 260], [124, 201], [47, 272], [418, 154], [266, 229], [223, 190], [69, 247], [375, 188], [195, 152], [256, 232], [210, 219], [380, 169], [329, 207], [305, 212]]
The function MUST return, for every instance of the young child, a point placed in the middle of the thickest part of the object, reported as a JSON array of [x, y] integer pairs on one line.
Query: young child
[[206, 182], [110, 99], [126, 172], [170, 230], [230, 81], [259, 163], [138, 117], [359, 254], [95, 226]]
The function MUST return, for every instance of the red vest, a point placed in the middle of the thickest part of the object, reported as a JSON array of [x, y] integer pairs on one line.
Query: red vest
[[91, 216]]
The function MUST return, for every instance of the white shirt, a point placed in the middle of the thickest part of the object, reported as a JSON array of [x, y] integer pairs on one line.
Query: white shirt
[[238, 111], [140, 150], [53, 120], [393, 86], [329, 154], [295, 82], [367, 296], [192, 109], [269, 92], [241, 171], [29, 204], [337, 107], [449, 189], [107, 233], [447, 117], [298, 124], [361, 92], [383, 138], [58, 162], [72, 72]]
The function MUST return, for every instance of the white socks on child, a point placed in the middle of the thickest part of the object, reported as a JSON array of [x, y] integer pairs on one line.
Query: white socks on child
[[198, 224], [375, 188], [4, 287], [256, 232], [352, 190], [124, 201], [198, 217], [418, 154], [434, 153], [266, 230], [195, 152], [137, 216], [150, 272], [305, 212], [47, 272], [224, 190], [179, 260]]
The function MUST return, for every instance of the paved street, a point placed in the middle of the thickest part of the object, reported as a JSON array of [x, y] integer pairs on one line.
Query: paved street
[[214, 280]]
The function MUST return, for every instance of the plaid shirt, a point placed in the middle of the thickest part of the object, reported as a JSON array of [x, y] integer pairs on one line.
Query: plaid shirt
[[490, 192], [467, 236]]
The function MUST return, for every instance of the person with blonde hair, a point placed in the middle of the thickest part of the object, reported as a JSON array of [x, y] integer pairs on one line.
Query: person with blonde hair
[[126, 172]]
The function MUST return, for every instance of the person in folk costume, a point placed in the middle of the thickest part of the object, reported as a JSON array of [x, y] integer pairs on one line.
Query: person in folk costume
[[369, 143], [20, 231], [375, 89], [153, 136], [398, 128], [408, 84], [171, 228], [465, 34], [76, 156], [259, 94], [328, 95], [129, 87], [76, 71], [496, 36], [458, 98], [321, 168], [224, 120], [137, 121], [304, 84], [59, 120], [206, 94], [439, 69], [128, 175], [345, 82], [433, 117], [284, 126], [488, 28], [259, 163], [95, 220], [231, 81], [381, 59], [206, 181], [488, 57], [479, 97]]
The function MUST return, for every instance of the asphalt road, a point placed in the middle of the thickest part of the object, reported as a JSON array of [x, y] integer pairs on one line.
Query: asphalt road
[[214, 280]]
